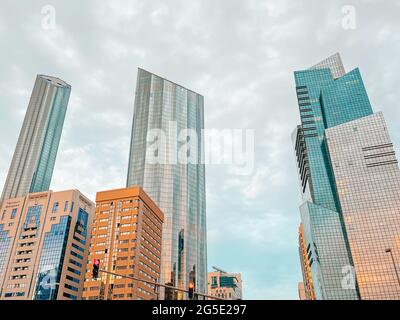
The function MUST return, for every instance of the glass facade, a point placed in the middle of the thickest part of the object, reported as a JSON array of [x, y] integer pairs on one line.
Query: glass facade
[[32, 220], [367, 177], [35, 154], [5, 241], [81, 226], [51, 260], [327, 97], [350, 185], [178, 189]]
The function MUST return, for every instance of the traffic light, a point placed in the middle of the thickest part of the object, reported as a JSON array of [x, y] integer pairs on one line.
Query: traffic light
[[96, 266], [191, 289]]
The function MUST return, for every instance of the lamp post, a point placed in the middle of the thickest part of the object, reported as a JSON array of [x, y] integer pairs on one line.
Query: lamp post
[[394, 264]]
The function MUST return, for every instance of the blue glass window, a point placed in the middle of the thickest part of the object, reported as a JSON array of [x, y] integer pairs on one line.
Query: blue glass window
[[55, 207], [51, 260]]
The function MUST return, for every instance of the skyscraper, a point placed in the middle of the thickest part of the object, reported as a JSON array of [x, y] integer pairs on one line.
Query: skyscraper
[[44, 245], [367, 178], [35, 154], [177, 188], [350, 187], [126, 239]]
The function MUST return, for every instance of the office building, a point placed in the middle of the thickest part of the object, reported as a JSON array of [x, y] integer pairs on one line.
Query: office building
[[33, 162], [349, 182], [44, 243], [318, 90], [367, 178], [177, 188], [227, 286], [126, 238]]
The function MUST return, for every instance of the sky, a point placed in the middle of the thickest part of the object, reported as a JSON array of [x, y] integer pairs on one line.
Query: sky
[[241, 56]]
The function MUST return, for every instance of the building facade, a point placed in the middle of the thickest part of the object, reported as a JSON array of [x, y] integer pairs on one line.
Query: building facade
[[327, 96], [178, 188], [225, 285], [126, 238], [367, 178], [329, 167], [33, 162], [44, 243]]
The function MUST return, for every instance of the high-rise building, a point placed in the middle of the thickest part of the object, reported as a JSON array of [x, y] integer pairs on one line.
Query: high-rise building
[[178, 188], [44, 244], [227, 286], [367, 179], [126, 239], [350, 187], [35, 154]]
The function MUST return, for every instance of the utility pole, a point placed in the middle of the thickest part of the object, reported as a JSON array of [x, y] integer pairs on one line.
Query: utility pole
[[394, 264]]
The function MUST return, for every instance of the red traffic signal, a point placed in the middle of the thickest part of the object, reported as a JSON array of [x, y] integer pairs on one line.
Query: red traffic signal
[[191, 290], [96, 267]]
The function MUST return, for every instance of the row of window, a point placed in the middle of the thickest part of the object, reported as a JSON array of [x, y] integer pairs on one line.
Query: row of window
[[13, 214]]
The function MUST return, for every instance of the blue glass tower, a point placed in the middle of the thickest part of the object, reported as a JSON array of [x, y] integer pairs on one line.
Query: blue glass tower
[[36, 151], [327, 97], [177, 188]]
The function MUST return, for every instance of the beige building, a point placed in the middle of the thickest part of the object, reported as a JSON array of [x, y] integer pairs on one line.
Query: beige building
[[302, 291], [44, 243], [225, 285], [126, 238]]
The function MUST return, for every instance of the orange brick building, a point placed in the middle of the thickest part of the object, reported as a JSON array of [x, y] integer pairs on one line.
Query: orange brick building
[[126, 238]]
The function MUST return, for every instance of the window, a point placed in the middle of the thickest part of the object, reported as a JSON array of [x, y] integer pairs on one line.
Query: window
[[74, 271], [70, 296], [66, 206], [72, 279], [55, 207], [14, 213], [77, 247], [68, 286], [214, 282]]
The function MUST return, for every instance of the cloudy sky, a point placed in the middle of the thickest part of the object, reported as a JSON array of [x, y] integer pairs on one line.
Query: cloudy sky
[[241, 56]]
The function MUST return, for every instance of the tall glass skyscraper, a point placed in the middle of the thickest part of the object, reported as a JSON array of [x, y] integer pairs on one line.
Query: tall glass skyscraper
[[36, 151], [350, 190], [177, 188], [367, 179]]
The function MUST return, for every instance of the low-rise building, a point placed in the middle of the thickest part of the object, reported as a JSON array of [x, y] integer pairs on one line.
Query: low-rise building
[[44, 244]]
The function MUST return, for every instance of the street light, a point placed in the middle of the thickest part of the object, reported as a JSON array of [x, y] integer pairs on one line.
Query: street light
[[394, 264]]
